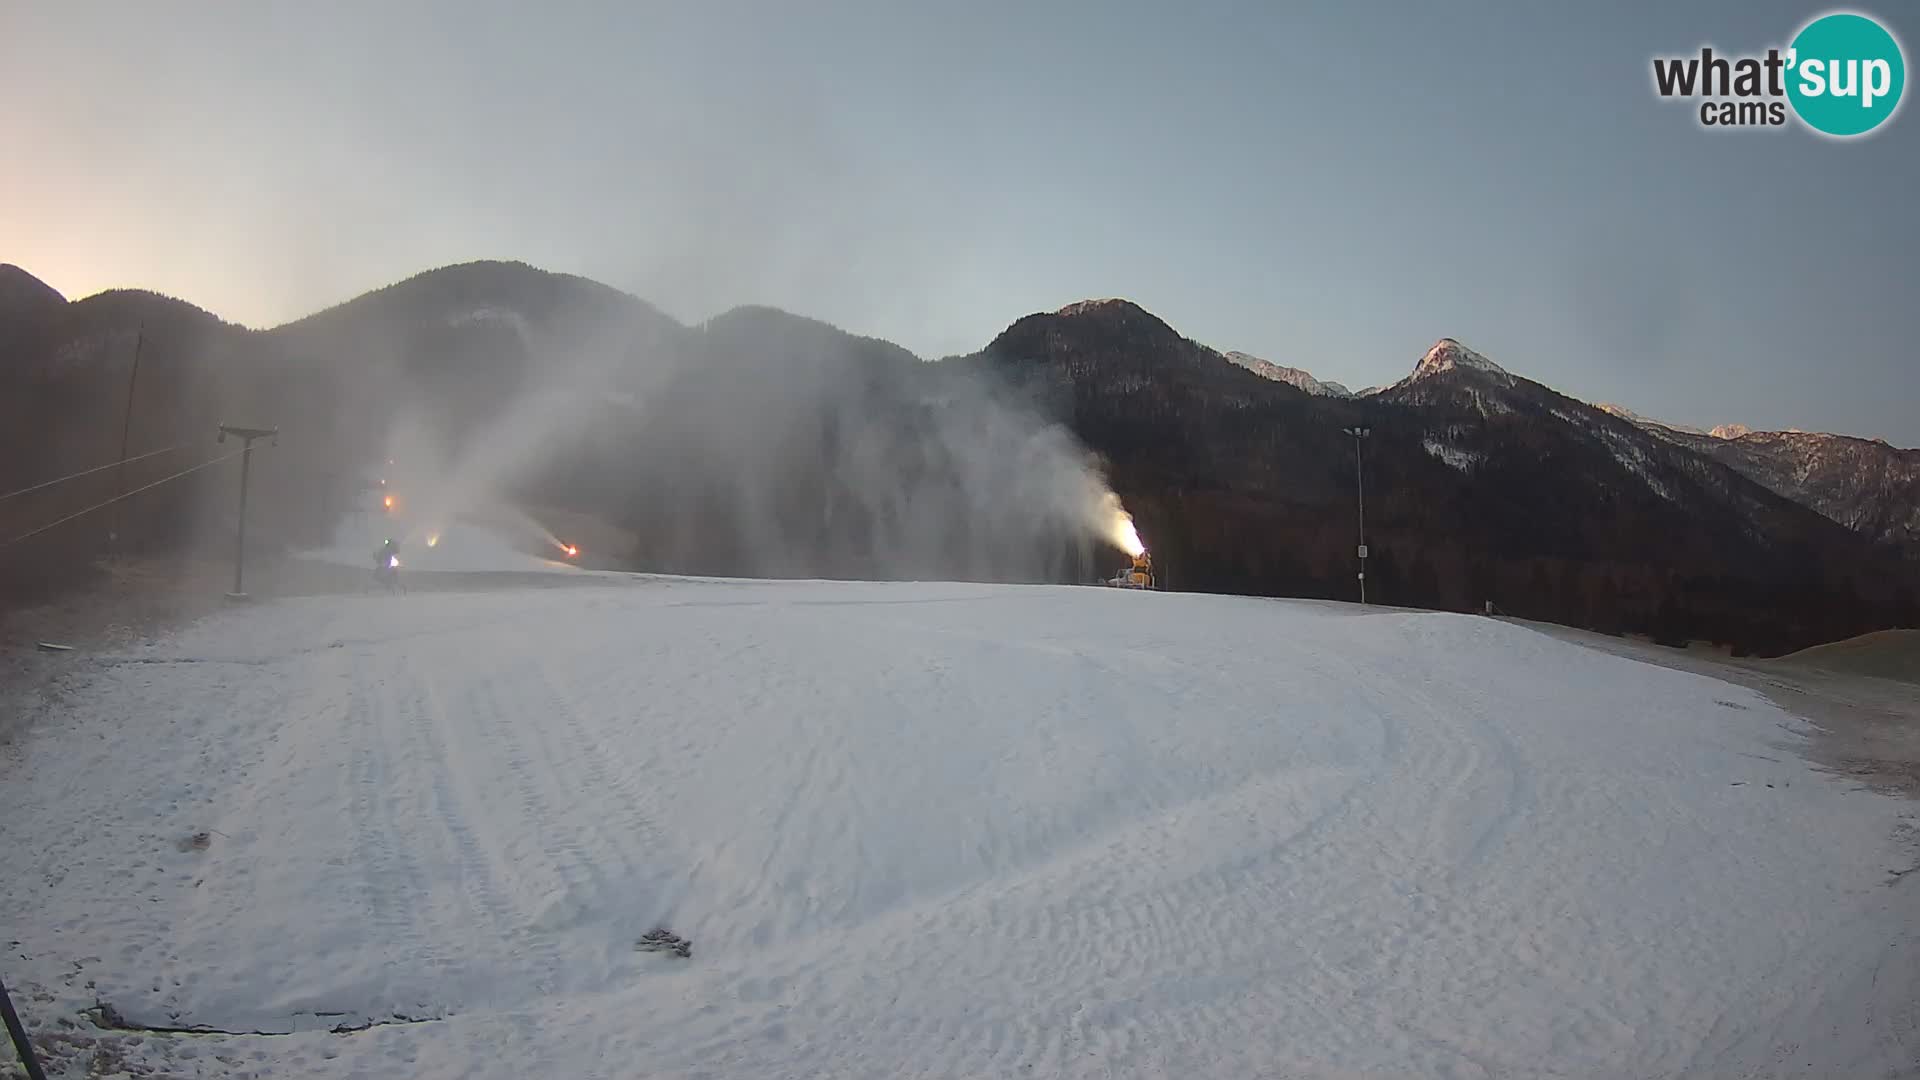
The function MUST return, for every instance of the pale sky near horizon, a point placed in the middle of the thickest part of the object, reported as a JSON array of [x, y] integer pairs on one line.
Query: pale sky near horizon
[[1331, 187]]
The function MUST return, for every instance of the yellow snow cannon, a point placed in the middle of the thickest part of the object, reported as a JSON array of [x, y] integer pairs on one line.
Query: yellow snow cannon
[[1137, 576]]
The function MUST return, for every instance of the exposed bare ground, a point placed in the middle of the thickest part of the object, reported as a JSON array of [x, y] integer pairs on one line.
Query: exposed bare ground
[[1868, 726], [1888, 654]]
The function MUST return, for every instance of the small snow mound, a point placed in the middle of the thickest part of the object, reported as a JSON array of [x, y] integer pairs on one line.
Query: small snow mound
[[1730, 431], [1448, 354]]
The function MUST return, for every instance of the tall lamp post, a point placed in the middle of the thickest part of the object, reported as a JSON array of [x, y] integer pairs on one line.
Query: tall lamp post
[[247, 435], [1360, 486]]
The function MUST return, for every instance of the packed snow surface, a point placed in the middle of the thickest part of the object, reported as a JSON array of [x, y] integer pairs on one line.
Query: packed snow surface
[[940, 830]]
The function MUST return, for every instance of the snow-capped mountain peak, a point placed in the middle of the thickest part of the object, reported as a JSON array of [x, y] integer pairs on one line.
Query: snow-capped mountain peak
[[1448, 354], [1292, 376]]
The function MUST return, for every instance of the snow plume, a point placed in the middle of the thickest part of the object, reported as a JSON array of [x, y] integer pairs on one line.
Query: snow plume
[[492, 412], [792, 449], [759, 444], [441, 488], [1119, 526]]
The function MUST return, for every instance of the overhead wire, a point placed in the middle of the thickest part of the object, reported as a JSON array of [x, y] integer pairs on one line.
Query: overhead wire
[[101, 505], [90, 472]]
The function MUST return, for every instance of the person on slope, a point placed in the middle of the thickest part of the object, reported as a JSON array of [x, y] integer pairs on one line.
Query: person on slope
[[386, 563]]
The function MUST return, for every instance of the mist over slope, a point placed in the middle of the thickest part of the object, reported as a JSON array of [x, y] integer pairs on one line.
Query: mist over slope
[[758, 443], [765, 443]]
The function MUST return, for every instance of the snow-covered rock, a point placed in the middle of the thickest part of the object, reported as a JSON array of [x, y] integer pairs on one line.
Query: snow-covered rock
[[1463, 460], [1448, 354], [1292, 376]]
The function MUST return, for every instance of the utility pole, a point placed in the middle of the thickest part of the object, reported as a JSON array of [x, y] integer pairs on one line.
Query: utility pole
[[246, 464], [1360, 486], [126, 429]]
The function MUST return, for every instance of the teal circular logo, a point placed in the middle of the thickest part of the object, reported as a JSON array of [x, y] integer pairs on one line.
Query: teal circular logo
[[1845, 73]]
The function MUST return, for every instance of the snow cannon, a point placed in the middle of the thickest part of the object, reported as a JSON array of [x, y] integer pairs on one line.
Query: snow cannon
[[1137, 576]]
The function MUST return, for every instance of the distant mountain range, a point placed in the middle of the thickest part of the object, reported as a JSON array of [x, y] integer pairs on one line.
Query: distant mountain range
[[1482, 486], [1866, 485]]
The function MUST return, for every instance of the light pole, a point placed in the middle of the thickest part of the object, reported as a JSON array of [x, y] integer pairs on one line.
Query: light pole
[[1360, 486], [247, 435]]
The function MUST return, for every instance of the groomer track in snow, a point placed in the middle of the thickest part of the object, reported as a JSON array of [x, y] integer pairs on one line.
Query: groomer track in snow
[[939, 830]]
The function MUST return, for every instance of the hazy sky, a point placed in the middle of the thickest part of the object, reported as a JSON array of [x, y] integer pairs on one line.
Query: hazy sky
[[1331, 188]]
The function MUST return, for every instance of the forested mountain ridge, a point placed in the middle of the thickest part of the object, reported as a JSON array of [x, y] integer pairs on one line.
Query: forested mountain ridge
[[1481, 485]]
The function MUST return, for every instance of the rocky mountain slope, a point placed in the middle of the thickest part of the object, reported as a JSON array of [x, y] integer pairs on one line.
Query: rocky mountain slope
[[1867, 485], [1482, 486], [1292, 376]]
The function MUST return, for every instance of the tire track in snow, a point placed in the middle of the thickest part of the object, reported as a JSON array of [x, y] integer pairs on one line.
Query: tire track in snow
[[483, 770], [1192, 927], [1099, 934], [394, 883], [520, 740], [1124, 865], [454, 806], [590, 758]]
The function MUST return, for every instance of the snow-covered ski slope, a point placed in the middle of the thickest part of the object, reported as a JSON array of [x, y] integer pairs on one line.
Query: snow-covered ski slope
[[943, 830]]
